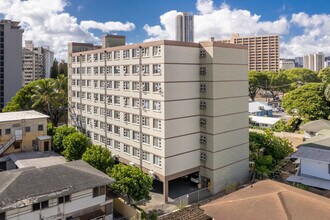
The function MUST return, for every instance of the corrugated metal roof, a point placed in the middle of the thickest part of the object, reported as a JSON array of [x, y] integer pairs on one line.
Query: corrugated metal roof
[[312, 154], [254, 107]]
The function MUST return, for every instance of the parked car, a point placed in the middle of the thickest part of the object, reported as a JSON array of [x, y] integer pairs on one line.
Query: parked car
[[194, 178]]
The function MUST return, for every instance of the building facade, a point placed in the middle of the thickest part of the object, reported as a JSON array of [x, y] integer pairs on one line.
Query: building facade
[[299, 62], [286, 64], [37, 62], [10, 60], [171, 108], [185, 27], [264, 51], [314, 61]]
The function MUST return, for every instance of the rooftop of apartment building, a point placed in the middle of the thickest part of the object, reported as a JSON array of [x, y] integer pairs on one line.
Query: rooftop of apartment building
[[21, 115], [20, 185], [14, 24]]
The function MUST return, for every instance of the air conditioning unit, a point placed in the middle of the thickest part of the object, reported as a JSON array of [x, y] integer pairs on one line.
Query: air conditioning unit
[[202, 54], [261, 108], [202, 105], [202, 70], [203, 88], [203, 156], [202, 122], [202, 139]]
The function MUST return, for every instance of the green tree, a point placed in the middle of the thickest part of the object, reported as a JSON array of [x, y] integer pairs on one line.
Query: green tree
[[324, 75], [59, 135], [277, 147], [276, 83], [54, 70], [257, 80], [301, 76], [98, 157], [131, 181], [75, 146], [282, 125], [63, 68], [308, 101], [51, 129]]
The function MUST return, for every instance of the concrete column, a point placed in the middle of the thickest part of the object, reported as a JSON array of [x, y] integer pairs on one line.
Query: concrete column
[[165, 190]]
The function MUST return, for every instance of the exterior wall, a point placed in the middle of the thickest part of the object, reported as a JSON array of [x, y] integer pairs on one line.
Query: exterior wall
[[27, 137], [314, 168], [12, 62], [79, 201]]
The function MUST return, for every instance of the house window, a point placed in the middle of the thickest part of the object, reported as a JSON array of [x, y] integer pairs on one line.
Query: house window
[[157, 124], [135, 53], [136, 152], [135, 103], [145, 121], [109, 142], [156, 106], [116, 130], [136, 119], [126, 54], [156, 69], [146, 139], [40, 127], [145, 104], [116, 70], [40, 205], [116, 100], [157, 161], [156, 87], [135, 69], [8, 131], [136, 136], [27, 129], [127, 149], [135, 86], [145, 87], [98, 191], [157, 142], [116, 85], [64, 199], [126, 85], [156, 51], [117, 145], [146, 156], [127, 133], [109, 127], [145, 52], [145, 69], [117, 55], [116, 115], [126, 70]]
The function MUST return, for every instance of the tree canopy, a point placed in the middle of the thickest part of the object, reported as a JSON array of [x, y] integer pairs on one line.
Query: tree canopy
[[59, 134], [98, 157], [48, 96], [131, 181], [257, 80], [308, 101], [75, 146], [276, 83], [301, 76], [324, 75]]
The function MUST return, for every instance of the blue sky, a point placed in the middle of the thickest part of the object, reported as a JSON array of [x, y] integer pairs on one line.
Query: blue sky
[[304, 26]]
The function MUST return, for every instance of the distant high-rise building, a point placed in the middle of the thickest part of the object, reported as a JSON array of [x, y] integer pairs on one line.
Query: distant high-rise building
[[264, 51], [10, 60], [185, 27], [37, 62], [299, 62], [286, 64], [314, 61]]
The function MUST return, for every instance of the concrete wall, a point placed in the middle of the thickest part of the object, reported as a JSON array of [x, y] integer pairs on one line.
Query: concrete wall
[[314, 168], [125, 210]]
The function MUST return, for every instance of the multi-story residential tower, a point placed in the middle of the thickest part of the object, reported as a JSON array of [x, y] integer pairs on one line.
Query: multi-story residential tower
[[171, 108], [10, 60], [264, 51], [299, 62], [185, 27], [37, 62], [314, 61]]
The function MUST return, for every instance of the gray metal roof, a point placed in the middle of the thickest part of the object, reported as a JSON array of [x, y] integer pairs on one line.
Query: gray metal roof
[[312, 154], [22, 186], [318, 141], [316, 126], [254, 107], [21, 115]]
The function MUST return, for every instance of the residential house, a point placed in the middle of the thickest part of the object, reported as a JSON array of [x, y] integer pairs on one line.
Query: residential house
[[260, 109], [73, 190], [311, 128], [269, 200], [314, 157], [263, 122], [23, 131]]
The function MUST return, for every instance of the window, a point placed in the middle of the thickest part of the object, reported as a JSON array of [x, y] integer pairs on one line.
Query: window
[[96, 110], [102, 112], [126, 70], [27, 129], [145, 69], [109, 55], [102, 84], [157, 142], [116, 115], [127, 133], [146, 139], [89, 96], [126, 85], [40, 205], [102, 98], [126, 117], [96, 97], [7, 131], [99, 191], [116, 130], [116, 85], [135, 103], [136, 119], [126, 54], [136, 152], [117, 145], [109, 127], [156, 51], [102, 139], [40, 127], [157, 161], [135, 86], [96, 70], [96, 123], [135, 53], [146, 104], [126, 101], [156, 87], [127, 149], [102, 125], [136, 136], [156, 106], [63, 199], [109, 70], [96, 137], [145, 121], [89, 83], [109, 99], [116, 55], [145, 52], [109, 142], [109, 84], [109, 113], [135, 69], [116, 100], [157, 124], [116, 70], [96, 83], [146, 156], [156, 69], [145, 87]]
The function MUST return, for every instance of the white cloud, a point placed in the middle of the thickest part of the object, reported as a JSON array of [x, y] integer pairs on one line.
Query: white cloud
[[219, 23], [107, 26], [46, 23]]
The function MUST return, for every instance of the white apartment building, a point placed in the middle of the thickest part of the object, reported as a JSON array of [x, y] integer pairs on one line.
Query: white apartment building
[[171, 108], [48, 59], [286, 64], [314, 62]]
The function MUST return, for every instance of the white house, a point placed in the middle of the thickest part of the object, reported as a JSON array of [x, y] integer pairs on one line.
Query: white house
[[263, 122], [314, 167], [73, 190]]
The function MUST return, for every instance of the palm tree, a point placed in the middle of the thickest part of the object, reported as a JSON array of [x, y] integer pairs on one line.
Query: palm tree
[[43, 97]]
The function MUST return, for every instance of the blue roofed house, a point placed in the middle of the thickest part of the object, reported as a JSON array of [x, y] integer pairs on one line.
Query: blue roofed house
[[260, 109]]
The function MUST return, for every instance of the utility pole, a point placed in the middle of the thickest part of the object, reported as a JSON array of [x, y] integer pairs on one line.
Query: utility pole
[[80, 95], [140, 104], [105, 99]]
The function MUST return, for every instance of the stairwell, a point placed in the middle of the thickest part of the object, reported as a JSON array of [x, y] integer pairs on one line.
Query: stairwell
[[7, 145]]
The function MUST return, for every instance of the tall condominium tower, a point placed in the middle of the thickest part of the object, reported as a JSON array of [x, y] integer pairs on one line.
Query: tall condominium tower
[[170, 108], [185, 27], [314, 61], [10, 60], [264, 51]]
